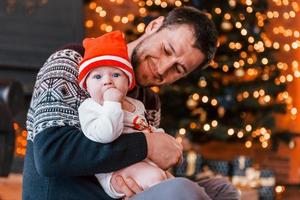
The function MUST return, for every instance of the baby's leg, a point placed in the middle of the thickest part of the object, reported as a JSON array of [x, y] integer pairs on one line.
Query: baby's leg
[[144, 174]]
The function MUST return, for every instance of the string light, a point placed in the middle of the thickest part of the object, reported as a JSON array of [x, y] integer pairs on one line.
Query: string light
[[238, 25], [92, 5], [157, 2], [182, 131], [248, 144], [248, 127], [202, 82], [264, 144], [230, 131], [141, 27], [164, 4], [178, 3], [89, 23], [193, 125], [111, 20], [214, 123], [225, 68], [279, 189], [196, 96], [240, 134], [206, 127], [205, 99], [214, 102], [218, 11], [149, 3]]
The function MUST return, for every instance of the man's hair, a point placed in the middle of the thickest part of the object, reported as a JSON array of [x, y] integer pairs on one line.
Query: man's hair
[[204, 29]]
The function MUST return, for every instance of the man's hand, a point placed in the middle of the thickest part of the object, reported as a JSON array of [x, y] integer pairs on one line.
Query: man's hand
[[163, 150], [113, 94], [125, 186], [169, 175]]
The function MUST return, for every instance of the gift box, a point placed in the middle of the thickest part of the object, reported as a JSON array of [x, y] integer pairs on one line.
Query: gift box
[[220, 167], [239, 168], [240, 164], [267, 185], [191, 165]]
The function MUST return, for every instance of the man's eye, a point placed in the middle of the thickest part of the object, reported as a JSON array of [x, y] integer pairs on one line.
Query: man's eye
[[116, 75], [97, 76], [166, 51], [179, 69]]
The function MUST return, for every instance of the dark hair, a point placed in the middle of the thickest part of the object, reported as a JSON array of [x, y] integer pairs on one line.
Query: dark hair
[[204, 29]]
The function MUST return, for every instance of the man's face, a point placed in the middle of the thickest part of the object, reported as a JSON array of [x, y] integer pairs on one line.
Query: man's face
[[166, 56]]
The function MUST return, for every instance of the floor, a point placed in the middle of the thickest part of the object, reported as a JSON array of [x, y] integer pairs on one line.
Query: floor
[[11, 189]]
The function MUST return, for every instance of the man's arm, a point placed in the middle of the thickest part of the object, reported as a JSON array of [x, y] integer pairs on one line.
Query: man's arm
[[65, 151]]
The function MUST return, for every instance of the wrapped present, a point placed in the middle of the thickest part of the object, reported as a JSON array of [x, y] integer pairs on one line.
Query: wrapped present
[[239, 168], [219, 167], [240, 164], [266, 193], [253, 177], [267, 185], [267, 178], [249, 178], [191, 165]]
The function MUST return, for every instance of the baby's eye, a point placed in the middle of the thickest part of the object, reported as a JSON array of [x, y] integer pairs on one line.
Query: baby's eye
[[116, 75], [97, 76]]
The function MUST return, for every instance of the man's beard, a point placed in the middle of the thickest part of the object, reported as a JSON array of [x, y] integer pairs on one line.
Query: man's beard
[[135, 60], [136, 55]]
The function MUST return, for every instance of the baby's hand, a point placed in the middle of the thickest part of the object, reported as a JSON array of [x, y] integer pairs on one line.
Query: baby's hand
[[113, 94]]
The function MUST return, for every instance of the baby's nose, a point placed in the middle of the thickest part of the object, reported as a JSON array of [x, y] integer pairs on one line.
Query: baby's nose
[[107, 80]]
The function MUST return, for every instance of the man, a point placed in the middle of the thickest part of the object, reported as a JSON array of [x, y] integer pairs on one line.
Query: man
[[60, 161]]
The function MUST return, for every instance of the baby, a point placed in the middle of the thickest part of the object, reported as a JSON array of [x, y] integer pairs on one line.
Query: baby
[[106, 74]]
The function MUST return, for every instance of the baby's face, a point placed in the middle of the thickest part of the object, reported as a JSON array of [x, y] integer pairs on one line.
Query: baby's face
[[103, 78]]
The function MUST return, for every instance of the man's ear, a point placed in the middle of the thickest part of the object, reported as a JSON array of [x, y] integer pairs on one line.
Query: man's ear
[[154, 25]]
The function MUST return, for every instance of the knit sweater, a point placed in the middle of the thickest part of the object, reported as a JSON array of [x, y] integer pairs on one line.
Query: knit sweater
[[60, 161]]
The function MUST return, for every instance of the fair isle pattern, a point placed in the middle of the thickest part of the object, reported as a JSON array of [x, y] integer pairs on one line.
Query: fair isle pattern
[[57, 95], [153, 117]]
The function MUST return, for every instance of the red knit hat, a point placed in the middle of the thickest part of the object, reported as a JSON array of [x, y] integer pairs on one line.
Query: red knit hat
[[107, 50]]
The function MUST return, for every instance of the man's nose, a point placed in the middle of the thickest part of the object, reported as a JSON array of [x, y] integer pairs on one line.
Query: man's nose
[[165, 66]]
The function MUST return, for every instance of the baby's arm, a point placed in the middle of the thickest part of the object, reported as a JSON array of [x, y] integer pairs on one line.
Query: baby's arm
[[101, 123]]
